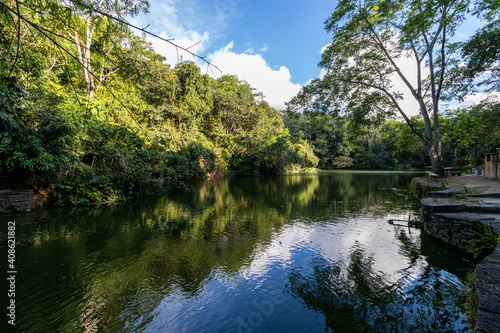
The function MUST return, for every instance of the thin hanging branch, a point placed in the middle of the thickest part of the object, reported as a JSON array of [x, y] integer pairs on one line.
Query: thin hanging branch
[[196, 56], [40, 30], [168, 40]]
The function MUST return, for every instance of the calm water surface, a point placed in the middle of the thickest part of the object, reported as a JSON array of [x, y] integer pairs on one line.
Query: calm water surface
[[301, 253]]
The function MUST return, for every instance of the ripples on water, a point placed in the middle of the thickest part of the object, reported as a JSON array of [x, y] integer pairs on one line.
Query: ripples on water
[[287, 254]]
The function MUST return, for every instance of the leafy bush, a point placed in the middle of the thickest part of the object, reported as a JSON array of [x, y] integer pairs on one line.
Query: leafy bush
[[81, 193], [487, 240]]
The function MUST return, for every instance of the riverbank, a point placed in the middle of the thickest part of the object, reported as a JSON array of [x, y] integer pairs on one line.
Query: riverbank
[[456, 210]]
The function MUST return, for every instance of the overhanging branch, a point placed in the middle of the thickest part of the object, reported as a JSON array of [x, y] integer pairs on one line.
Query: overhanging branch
[[393, 100], [161, 38]]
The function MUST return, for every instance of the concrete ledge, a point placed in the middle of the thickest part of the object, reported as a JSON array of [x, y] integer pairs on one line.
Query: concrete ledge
[[447, 193], [435, 205], [489, 322]]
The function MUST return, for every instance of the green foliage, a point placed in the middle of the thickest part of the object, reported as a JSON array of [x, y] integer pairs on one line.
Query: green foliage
[[152, 124], [328, 135], [339, 143], [194, 161], [342, 162], [470, 133], [421, 190], [97, 191], [407, 148], [304, 154], [472, 301], [487, 240], [482, 51]]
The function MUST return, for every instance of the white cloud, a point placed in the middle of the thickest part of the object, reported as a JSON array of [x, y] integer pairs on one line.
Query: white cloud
[[192, 40], [460, 36], [188, 29], [323, 49], [228, 47], [190, 23], [408, 67], [166, 21], [276, 85], [477, 98]]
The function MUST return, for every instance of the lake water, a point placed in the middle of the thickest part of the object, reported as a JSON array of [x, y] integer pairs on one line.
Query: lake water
[[299, 253]]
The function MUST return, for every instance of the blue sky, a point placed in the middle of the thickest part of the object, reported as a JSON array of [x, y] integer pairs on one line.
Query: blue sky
[[274, 45]]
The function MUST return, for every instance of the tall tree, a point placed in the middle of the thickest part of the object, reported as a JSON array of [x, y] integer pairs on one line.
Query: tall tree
[[370, 38], [93, 13]]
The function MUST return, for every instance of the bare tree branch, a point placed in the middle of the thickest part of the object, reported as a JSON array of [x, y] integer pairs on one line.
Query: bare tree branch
[[161, 38], [394, 101]]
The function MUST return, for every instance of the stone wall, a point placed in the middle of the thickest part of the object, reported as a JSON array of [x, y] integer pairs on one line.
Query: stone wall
[[487, 288], [449, 223], [455, 224], [16, 200]]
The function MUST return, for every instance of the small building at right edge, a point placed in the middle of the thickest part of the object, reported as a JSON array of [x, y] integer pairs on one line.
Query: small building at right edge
[[491, 164]]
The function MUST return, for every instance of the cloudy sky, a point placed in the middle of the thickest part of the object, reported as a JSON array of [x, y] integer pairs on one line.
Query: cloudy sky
[[274, 45]]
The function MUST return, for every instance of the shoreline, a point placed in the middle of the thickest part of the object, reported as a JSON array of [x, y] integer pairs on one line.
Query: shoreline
[[453, 210]]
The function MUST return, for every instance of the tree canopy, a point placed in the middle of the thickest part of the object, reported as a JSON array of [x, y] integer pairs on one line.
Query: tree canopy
[[481, 68], [370, 38]]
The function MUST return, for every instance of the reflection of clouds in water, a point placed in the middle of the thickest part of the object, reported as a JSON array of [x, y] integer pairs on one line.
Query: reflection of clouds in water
[[280, 250], [334, 242], [368, 270], [200, 259]]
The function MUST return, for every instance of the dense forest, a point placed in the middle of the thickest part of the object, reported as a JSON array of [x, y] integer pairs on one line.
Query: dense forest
[[90, 113], [340, 143], [116, 120]]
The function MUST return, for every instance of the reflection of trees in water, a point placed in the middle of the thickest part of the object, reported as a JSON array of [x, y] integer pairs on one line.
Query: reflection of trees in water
[[354, 297], [342, 194], [139, 252], [410, 244], [142, 251]]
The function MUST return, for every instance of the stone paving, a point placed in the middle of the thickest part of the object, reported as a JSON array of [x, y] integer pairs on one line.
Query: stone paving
[[488, 291]]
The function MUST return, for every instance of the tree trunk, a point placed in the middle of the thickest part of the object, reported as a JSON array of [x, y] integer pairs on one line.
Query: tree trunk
[[436, 159], [89, 78]]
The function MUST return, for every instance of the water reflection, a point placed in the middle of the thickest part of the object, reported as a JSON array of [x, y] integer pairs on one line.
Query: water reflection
[[357, 298], [291, 254]]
